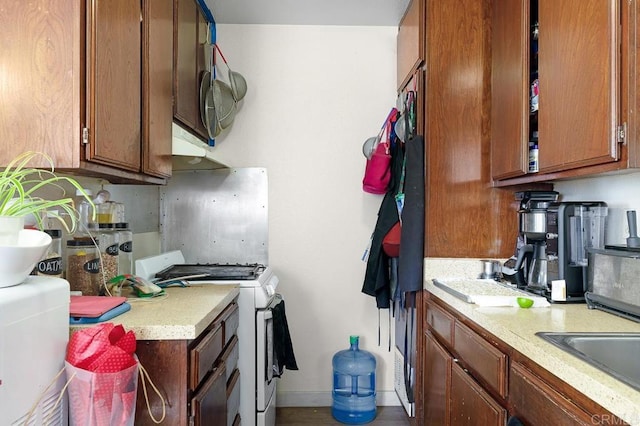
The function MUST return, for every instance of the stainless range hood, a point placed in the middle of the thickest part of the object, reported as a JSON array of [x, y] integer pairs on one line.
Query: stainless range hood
[[191, 153]]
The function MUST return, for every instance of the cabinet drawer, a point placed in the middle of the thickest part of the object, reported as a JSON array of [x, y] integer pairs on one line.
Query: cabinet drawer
[[440, 322], [535, 402], [230, 356], [485, 361], [233, 397], [204, 355], [230, 320]]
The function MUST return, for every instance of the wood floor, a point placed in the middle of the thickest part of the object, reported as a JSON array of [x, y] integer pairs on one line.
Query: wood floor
[[321, 416]]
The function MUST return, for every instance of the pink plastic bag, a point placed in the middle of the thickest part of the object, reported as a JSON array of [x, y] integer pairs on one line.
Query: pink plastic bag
[[102, 372], [102, 399]]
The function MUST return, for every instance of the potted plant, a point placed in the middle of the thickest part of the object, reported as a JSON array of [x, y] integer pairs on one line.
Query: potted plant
[[18, 188]]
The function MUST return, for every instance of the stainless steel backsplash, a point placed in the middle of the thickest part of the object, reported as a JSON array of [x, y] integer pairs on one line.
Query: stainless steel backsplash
[[216, 216]]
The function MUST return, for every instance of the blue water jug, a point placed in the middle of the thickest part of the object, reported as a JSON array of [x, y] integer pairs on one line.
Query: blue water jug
[[354, 385]]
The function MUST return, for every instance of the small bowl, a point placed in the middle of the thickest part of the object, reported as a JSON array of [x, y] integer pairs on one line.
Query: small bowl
[[17, 261]]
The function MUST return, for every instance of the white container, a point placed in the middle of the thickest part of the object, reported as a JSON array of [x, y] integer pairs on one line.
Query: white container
[[34, 331]]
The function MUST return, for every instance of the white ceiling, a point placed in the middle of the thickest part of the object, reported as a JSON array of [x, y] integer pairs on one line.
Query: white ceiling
[[309, 12]]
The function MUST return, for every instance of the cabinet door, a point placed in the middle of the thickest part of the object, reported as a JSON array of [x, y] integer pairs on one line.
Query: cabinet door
[[40, 89], [186, 27], [535, 402], [114, 83], [578, 65], [158, 86], [209, 405], [410, 41], [436, 378], [472, 405], [190, 35], [509, 88]]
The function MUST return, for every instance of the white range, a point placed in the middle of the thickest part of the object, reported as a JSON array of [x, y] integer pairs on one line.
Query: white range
[[258, 284]]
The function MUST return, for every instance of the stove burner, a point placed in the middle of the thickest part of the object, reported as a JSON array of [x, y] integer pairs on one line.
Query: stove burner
[[215, 271]]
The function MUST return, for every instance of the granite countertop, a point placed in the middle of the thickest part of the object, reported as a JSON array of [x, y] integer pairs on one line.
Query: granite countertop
[[517, 327], [182, 314]]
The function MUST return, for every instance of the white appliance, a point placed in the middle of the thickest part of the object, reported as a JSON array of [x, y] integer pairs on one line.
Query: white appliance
[[255, 333], [34, 331]]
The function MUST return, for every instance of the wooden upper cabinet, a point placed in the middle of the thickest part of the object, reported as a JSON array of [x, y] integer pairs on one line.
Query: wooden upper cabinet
[[464, 216], [114, 83], [185, 85], [40, 106], [579, 83], [158, 86], [74, 87], [510, 88], [190, 34], [410, 42], [578, 67]]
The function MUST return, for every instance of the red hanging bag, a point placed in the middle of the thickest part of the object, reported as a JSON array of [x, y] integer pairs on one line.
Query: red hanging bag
[[377, 173]]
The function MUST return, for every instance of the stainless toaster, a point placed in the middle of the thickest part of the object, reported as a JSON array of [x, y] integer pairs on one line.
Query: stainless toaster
[[613, 277]]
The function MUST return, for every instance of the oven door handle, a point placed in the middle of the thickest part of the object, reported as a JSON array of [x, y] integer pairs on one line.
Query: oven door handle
[[264, 335]]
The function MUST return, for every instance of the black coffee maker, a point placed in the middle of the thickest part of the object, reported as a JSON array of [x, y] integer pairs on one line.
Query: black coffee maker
[[528, 267], [552, 243], [574, 226]]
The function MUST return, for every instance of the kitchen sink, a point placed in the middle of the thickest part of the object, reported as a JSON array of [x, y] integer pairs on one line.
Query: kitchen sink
[[617, 354]]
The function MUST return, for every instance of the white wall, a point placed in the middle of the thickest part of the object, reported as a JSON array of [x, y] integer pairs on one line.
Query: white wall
[[315, 95], [620, 192]]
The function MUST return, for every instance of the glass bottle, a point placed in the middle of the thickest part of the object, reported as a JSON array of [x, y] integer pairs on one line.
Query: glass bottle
[[85, 213], [125, 253]]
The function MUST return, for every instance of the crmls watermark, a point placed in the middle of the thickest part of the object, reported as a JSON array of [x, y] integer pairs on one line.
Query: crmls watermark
[[610, 419]]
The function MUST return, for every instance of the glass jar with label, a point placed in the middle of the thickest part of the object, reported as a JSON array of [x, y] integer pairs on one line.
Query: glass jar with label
[[109, 249], [83, 267], [125, 255], [51, 265]]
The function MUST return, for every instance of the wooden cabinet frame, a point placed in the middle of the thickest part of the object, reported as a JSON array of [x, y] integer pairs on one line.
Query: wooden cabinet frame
[[568, 400]]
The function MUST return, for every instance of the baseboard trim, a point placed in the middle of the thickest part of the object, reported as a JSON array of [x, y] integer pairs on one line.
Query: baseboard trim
[[324, 399]]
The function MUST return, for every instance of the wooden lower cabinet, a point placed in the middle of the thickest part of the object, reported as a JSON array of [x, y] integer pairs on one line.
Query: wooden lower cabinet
[[470, 404], [437, 375], [451, 395], [210, 402], [198, 379], [469, 377], [535, 402]]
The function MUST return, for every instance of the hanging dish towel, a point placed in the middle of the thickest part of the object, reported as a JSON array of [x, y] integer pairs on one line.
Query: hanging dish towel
[[283, 348]]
